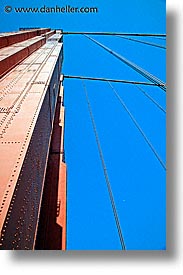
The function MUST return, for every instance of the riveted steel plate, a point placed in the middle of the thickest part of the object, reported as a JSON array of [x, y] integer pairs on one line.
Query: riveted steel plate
[[30, 124], [13, 55]]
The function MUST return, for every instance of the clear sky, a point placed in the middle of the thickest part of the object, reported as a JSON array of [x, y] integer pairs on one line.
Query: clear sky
[[137, 178]]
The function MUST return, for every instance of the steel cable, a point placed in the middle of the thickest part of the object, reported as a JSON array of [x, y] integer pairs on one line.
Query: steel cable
[[150, 98], [158, 35], [141, 71], [137, 126], [112, 80], [143, 42], [105, 172]]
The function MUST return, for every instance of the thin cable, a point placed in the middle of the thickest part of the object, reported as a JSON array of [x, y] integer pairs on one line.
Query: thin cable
[[149, 97], [146, 74], [118, 33], [105, 171], [137, 125], [160, 38], [141, 71], [135, 83], [112, 80], [143, 42]]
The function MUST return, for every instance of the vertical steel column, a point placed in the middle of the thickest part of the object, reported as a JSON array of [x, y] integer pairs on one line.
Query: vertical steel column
[[52, 224]]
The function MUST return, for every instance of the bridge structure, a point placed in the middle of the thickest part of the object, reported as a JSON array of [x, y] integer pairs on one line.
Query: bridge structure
[[33, 172]]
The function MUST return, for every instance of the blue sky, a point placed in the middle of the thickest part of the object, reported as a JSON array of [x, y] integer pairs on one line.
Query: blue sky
[[137, 178]]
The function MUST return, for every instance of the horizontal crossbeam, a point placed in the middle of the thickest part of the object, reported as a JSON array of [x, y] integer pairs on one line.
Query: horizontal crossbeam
[[112, 80], [118, 33]]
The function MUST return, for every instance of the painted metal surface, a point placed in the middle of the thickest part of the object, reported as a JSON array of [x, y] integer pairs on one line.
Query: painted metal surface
[[52, 223], [28, 96], [62, 183], [62, 190], [13, 55], [49, 34], [8, 39]]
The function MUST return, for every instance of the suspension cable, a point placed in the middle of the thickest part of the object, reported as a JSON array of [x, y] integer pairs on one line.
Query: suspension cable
[[143, 42], [149, 97], [105, 171], [118, 33], [160, 38], [112, 80], [141, 71], [138, 126]]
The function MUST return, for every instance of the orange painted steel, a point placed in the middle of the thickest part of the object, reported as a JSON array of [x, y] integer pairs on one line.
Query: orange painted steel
[[52, 223], [42, 31], [49, 34], [28, 96], [58, 147], [61, 219], [13, 55], [9, 39]]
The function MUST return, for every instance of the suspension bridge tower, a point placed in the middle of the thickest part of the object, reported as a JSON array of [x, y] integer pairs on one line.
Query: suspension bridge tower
[[32, 166], [33, 176]]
